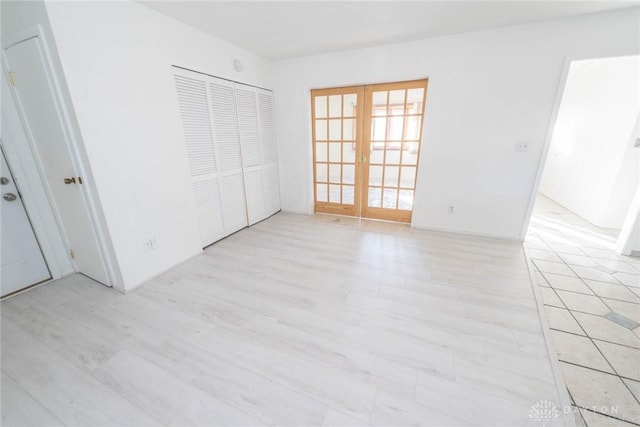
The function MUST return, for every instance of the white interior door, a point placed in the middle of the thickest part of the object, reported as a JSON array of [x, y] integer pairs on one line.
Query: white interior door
[[35, 97], [196, 123], [226, 141], [22, 262], [229, 134], [270, 181], [247, 109]]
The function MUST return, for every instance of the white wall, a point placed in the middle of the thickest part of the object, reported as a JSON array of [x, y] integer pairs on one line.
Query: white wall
[[592, 168], [629, 241], [117, 59], [627, 180], [487, 90]]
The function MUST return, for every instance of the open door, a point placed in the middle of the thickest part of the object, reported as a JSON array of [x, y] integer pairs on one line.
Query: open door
[[37, 102]]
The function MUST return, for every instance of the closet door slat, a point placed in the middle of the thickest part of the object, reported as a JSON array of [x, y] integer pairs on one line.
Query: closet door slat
[[207, 198], [226, 137], [265, 106], [271, 189], [248, 126], [234, 208], [194, 109], [255, 195]]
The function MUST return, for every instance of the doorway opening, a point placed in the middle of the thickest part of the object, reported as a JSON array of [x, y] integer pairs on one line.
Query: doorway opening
[[584, 215], [366, 146], [591, 174]]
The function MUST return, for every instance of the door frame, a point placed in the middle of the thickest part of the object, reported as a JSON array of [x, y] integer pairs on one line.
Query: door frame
[[381, 213], [360, 208], [328, 207], [623, 239], [79, 161]]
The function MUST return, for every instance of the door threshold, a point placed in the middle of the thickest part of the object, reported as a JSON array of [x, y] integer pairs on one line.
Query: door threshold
[[28, 288], [354, 221]]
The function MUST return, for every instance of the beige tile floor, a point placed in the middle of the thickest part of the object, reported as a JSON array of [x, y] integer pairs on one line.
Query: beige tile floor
[[592, 300]]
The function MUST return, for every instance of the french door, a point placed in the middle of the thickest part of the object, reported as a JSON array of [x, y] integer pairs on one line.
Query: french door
[[366, 143]]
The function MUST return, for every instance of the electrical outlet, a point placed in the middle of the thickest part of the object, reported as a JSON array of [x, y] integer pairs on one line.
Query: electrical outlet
[[150, 244], [522, 146], [452, 209]]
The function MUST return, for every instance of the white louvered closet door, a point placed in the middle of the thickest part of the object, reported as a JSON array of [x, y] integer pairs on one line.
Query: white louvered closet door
[[231, 147], [270, 181], [196, 123], [228, 156], [247, 108]]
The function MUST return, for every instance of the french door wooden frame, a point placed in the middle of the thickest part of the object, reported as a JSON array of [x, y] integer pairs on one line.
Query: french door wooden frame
[[366, 146], [335, 148]]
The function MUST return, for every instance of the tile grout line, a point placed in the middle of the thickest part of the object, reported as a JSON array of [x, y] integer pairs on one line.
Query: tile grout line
[[561, 385], [608, 415], [596, 339], [586, 334], [596, 346], [581, 293]]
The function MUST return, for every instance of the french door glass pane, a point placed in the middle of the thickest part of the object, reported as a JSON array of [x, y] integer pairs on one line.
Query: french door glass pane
[[334, 152], [335, 105], [349, 152], [321, 151], [349, 174], [375, 175], [334, 193], [335, 118], [335, 129], [390, 198], [379, 107], [408, 177], [348, 130], [321, 172], [321, 130], [347, 194], [334, 173], [321, 193], [375, 197], [349, 105], [405, 200], [391, 176], [321, 107]]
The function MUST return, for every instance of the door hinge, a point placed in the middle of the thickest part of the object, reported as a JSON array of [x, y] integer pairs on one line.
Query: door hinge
[[73, 256], [12, 78]]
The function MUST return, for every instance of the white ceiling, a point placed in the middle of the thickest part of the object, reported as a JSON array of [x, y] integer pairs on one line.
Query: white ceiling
[[285, 29]]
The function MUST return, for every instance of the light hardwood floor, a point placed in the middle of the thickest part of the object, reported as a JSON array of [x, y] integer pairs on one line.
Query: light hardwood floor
[[294, 321]]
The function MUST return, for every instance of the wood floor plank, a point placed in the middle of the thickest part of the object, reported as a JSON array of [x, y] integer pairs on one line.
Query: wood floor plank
[[71, 395], [19, 408], [171, 400], [293, 321]]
